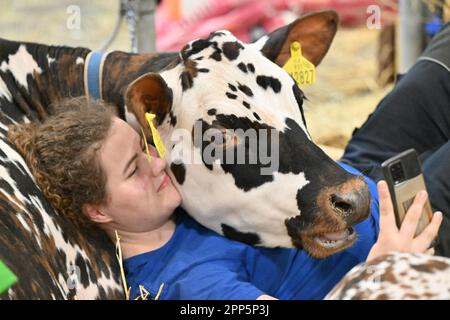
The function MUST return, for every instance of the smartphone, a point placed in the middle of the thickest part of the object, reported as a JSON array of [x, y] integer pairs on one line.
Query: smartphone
[[403, 175]]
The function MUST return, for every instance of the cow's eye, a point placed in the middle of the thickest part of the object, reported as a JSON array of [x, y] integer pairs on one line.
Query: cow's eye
[[227, 139]]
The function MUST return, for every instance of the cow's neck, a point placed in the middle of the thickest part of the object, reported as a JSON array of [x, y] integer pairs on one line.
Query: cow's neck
[[52, 73], [60, 73]]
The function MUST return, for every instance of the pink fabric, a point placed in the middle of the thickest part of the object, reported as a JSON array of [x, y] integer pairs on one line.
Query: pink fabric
[[239, 16]]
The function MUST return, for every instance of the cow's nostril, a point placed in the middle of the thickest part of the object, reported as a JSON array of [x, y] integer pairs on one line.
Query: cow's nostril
[[340, 205]]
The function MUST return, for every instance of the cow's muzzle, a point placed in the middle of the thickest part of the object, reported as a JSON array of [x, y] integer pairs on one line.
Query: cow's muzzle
[[328, 226]]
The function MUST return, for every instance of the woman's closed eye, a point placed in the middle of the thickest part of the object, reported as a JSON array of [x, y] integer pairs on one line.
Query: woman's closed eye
[[136, 168], [134, 171]]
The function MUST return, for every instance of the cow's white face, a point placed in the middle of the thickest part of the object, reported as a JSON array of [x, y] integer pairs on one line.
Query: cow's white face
[[247, 92], [240, 154]]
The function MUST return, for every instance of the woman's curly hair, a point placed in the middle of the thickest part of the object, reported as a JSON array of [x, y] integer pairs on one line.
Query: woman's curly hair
[[61, 153]]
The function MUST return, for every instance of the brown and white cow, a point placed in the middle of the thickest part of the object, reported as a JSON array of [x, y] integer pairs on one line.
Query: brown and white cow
[[396, 276]]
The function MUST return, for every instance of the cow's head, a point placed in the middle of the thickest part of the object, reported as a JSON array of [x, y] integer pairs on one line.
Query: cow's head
[[235, 98]]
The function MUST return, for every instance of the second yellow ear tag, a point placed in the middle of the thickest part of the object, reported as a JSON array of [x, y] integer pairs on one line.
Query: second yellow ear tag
[[300, 68], [155, 135], [149, 157]]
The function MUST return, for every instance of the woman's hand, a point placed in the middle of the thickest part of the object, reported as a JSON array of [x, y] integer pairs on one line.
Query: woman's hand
[[391, 238]]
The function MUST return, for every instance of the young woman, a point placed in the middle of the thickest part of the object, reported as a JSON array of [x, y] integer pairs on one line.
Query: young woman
[[93, 168]]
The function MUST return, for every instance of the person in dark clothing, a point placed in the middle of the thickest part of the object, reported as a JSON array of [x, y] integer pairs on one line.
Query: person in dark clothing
[[415, 114]]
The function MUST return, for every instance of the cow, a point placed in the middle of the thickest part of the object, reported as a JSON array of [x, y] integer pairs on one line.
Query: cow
[[215, 83], [396, 276]]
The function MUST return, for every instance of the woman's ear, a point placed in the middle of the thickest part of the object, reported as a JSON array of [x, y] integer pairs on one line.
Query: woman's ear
[[95, 213]]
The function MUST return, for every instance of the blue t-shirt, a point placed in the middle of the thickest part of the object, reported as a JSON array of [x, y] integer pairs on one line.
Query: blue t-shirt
[[197, 263]]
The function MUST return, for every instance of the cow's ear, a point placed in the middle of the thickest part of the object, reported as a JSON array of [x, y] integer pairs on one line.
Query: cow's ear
[[148, 93], [315, 32]]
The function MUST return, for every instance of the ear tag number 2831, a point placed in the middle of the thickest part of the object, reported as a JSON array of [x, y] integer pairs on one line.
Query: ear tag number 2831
[[302, 70]]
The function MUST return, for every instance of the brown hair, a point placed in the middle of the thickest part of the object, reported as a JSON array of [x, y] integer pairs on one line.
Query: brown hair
[[62, 154]]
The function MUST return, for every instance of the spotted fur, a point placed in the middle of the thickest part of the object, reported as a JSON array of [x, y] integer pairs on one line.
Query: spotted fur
[[52, 259], [397, 276]]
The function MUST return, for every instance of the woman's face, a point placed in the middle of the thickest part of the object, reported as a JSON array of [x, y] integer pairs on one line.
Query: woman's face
[[141, 196]]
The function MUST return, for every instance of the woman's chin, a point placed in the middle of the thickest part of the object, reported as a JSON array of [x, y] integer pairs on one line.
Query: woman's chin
[[174, 196]]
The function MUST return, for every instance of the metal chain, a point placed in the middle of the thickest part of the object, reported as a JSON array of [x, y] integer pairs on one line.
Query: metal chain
[[131, 8]]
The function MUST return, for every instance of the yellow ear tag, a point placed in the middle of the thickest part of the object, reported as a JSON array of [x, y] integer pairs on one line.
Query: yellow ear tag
[[300, 68], [146, 145], [155, 135], [120, 260]]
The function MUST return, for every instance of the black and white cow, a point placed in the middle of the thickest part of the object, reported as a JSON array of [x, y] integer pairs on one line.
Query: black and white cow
[[225, 86], [306, 200]]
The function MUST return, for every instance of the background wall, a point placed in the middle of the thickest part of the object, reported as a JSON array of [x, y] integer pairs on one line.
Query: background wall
[[343, 96]]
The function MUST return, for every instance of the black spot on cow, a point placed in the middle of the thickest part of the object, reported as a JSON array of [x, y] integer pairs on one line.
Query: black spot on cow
[[245, 90], [233, 88], [243, 67], [231, 95], [215, 34], [299, 97], [231, 50], [101, 291], [249, 238], [194, 47], [296, 152], [5, 186], [268, 81], [251, 67], [208, 166], [244, 162], [199, 142], [256, 116], [216, 55], [179, 171], [246, 104], [187, 81], [204, 70], [198, 58], [212, 112], [173, 119], [185, 50], [80, 265]]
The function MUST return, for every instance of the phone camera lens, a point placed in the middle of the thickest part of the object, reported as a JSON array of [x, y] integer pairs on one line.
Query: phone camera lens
[[397, 172]]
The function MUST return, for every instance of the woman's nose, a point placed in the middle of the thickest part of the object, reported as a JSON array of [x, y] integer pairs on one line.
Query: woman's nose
[[157, 165]]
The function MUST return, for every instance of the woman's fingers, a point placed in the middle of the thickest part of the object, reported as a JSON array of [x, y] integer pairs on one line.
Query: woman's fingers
[[387, 218], [430, 251], [423, 241], [409, 224]]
